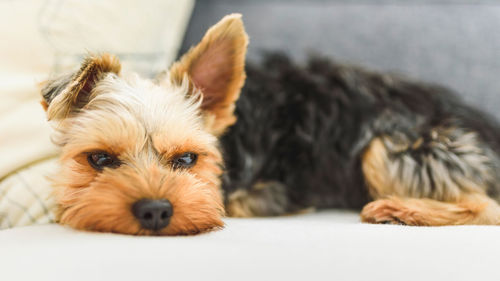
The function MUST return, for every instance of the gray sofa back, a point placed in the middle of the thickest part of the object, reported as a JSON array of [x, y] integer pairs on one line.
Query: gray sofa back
[[454, 43]]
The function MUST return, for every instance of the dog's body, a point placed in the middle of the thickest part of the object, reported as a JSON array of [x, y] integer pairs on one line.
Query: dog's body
[[326, 135], [146, 157]]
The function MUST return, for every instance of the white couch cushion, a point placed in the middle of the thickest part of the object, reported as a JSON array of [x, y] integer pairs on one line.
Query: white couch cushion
[[329, 245]]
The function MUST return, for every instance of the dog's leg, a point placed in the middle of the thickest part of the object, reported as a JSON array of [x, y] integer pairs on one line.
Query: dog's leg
[[443, 180], [471, 209], [264, 199]]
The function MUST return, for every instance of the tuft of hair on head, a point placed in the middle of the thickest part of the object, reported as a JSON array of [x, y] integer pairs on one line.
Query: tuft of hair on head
[[69, 93], [216, 67]]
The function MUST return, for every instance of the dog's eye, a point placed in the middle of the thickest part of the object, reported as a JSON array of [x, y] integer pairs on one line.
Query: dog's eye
[[184, 160], [99, 160]]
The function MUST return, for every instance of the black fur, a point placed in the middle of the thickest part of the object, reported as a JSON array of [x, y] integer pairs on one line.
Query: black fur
[[306, 128]]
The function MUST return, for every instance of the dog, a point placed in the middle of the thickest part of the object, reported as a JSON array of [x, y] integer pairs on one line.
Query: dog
[[328, 135], [168, 157]]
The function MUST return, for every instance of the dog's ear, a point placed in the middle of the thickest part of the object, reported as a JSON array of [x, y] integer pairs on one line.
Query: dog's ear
[[68, 93], [216, 68]]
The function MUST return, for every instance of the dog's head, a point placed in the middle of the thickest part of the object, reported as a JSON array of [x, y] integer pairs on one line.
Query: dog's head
[[142, 156]]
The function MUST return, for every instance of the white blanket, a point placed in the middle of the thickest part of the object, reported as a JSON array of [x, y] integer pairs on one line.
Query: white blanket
[[323, 246]]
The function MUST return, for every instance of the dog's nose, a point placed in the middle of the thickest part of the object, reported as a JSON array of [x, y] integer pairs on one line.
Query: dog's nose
[[153, 214]]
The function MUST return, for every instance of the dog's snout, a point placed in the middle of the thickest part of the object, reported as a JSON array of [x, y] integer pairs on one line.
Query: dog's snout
[[153, 214]]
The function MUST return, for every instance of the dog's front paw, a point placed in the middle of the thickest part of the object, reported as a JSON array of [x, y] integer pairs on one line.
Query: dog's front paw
[[264, 199]]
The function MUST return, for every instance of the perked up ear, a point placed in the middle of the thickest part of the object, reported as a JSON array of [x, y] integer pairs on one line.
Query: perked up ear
[[69, 93], [216, 68]]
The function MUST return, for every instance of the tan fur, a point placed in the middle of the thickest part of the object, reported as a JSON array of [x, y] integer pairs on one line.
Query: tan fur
[[470, 209], [216, 67], [265, 198], [239, 205], [375, 170], [454, 200], [44, 105], [389, 168], [91, 70], [145, 125]]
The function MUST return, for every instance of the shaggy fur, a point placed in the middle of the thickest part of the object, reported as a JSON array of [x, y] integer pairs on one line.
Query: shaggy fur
[[330, 135]]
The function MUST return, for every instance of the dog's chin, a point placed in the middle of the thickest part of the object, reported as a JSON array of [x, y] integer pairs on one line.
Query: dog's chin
[[169, 232], [133, 228]]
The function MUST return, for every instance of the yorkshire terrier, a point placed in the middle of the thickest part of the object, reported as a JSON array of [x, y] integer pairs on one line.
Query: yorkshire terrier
[[167, 157]]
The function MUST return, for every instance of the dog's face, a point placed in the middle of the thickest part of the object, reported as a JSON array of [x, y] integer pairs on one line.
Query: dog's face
[[141, 156]]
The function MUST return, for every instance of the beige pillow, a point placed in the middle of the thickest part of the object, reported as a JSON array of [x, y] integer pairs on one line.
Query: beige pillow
[[48, 37]]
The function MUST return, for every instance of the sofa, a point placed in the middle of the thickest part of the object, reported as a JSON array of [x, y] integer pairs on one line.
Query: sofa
[[454, 43]]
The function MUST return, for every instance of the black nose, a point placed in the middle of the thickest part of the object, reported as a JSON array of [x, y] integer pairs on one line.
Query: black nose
[[153, 214]]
